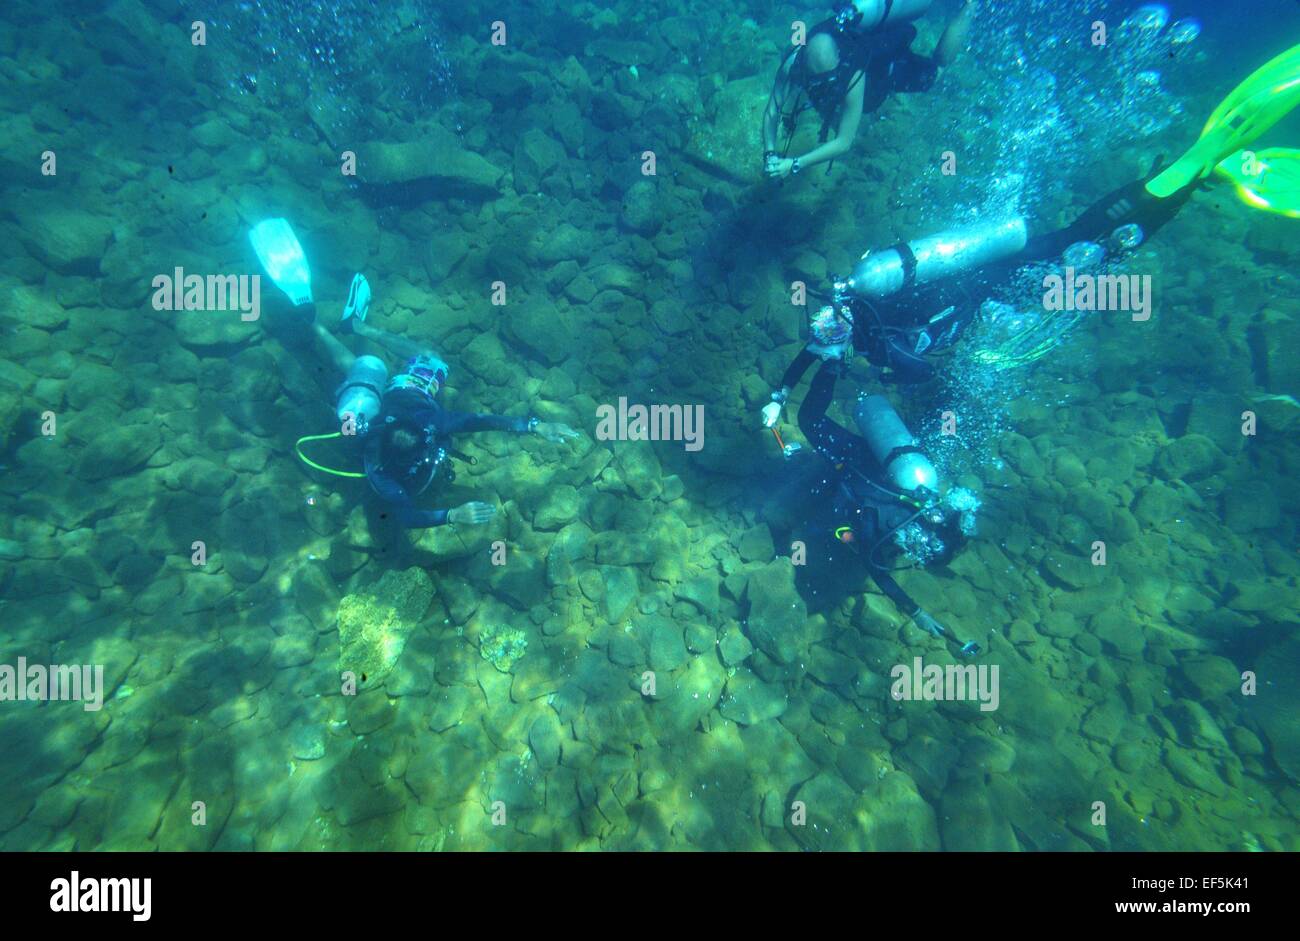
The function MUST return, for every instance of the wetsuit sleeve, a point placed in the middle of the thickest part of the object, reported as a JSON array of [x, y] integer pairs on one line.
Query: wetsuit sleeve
[[454, 422], [796, 369], [404, 509], [829, 438], [894, 593]]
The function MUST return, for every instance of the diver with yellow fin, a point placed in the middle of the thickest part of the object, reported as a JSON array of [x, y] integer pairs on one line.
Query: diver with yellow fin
[[403, 432], [903, 304]]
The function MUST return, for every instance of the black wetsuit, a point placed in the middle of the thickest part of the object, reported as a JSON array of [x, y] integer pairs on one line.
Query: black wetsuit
[[399, 488], [852, 493]]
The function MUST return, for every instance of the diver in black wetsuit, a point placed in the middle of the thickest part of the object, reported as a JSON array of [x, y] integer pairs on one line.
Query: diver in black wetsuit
[[848, 66], [402, 433], [916, 299], [405, 434], [883, 497]]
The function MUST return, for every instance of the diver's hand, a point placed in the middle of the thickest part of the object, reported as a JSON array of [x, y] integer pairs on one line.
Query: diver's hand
[[472, 513], [927, 623], [771, 414], [779, 169], [554, 431]]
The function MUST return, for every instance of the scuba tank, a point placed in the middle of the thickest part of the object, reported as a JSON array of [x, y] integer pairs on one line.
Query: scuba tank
[[893, 446], [362, 390], [934, 257], [869, 14]]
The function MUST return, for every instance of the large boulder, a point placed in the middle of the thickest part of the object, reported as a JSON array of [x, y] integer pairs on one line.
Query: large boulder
[[1277, 704], [439, 159], [728, 136], [536, 155], [640, 211], [749, 701], [542, 330], [889, 817], [67, 240], [375, 623], [117, 451], [778, 618]]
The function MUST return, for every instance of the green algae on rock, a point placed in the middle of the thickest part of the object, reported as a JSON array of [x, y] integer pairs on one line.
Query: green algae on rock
[[502, 646], [374, 624]]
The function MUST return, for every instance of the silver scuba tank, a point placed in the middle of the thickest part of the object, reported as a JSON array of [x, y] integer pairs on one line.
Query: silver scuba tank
[[362, 391], [937, 256], [893, 446], [876, 13]]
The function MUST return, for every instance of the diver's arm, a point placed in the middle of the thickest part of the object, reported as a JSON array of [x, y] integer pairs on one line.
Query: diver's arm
[[903, 601], [1131, 204], [772, 117], [455, 422], [776, 105], [850, 119], [408, 515], [794, 372], [890, 588], [553, 431], [953, 40]]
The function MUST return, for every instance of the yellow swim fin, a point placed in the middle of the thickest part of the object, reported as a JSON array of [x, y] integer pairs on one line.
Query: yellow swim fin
[[1252, 108], [1267, 179]]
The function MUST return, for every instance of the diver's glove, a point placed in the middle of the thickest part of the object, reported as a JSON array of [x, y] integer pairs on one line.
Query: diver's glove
[[473, 513], [553, 431], [926, 622], [772, 410]]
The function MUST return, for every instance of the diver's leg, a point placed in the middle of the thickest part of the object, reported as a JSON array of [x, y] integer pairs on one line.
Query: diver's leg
[[389, 341], [339, 355], [1131, 204]]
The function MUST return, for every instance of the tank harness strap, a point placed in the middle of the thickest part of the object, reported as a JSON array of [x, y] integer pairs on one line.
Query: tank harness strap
[[899, 452], [358, 384], [909, 263]]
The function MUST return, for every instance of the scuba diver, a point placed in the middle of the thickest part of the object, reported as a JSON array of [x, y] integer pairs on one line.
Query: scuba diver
[[915, 299], [884, 498], [403, 433], [903, 304], [848, 67]]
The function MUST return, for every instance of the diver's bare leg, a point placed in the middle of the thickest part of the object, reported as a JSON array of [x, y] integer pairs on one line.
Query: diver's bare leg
[[389, 341], [340, 355]]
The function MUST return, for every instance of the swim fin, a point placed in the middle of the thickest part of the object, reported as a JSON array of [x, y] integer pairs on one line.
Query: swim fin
[[1268, 179], [278, 250], [358, 304], [1253, 107]]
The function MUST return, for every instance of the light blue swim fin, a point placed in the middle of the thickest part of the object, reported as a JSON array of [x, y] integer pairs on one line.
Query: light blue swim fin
[[278, 250], [358, 304]]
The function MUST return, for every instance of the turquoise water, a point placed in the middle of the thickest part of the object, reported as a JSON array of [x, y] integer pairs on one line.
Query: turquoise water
[[625, 656]]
